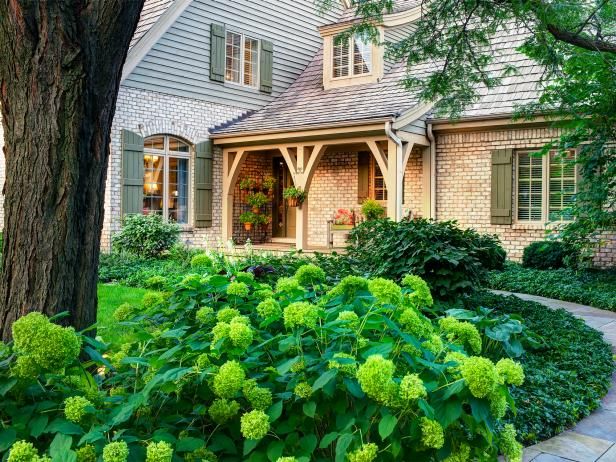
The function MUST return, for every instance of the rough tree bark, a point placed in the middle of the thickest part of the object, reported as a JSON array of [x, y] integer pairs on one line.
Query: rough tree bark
[[60, 71]]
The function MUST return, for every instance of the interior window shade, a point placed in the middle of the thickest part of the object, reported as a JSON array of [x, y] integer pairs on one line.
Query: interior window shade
[[530, 187], [340, 65], [562, 186]]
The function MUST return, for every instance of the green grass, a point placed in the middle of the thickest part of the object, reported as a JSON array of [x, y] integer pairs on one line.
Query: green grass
[[110, 296]]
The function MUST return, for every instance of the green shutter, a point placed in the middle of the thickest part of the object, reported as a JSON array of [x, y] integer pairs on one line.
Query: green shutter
[[266, 66], [363, 176], [132, 173], [502, 178], [204, 173], [217, 52]]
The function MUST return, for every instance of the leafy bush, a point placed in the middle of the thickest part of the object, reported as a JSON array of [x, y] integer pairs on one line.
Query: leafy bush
[[224, 368], [453, 261], [372, 210], [589, 287], [546, 255], [146, 235]]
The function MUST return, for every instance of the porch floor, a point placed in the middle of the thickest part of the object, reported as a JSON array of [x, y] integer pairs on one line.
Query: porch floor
[[280, 248]]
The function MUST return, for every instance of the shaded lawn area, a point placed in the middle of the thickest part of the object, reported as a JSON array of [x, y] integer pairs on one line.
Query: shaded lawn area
[[110, 296]]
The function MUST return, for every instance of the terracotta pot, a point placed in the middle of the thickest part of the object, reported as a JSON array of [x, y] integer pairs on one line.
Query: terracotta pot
[[256, 210], [247, 226], [292, 201]]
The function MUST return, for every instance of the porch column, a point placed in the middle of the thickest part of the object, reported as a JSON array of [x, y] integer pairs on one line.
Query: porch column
[[232, 161], [394, 181]]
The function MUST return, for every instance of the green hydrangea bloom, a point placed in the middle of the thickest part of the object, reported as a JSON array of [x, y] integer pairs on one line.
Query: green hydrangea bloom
[[385, 291], [286, 459], [508, 445], [75, 408], [287, 285], [203, 361], [117, 391], [511, 371], [301, 314], [349, 317], [229, 379], [205, 316], [349, 286], [227, 314], [303, 390], [414, 323], [367, 453], [123, 312], [299, 366], [159, 452], [191, 280], [254, 425], [462, 333], [498, 404], [480, 374], [201, 261], [23, 451], [201, 455], [86, 453], [264, 292], [375, 377], [412, 388], [259, 398], [269, 308], [152, 299], [115, 452], [156, 282], [222, 410], [455, 357], [434, 344], [421, 296], [238, 289], [245, 277], [220, 332], [42, 345], [432, 435], [241, 335], [462, 454], [346, 368], [309, 275]]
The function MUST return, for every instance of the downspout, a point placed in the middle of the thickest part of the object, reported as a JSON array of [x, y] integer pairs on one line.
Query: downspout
[[399, 173], [432, 171]]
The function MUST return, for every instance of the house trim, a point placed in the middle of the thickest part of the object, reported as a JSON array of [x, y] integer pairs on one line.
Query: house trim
[[489, 123]]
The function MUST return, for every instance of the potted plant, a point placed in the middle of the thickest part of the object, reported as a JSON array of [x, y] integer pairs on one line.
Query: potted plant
[[268, 185], [344, 219], [294, 196], [247, 184], [248, 219], [256, 200], [372, 210], [264, 221]]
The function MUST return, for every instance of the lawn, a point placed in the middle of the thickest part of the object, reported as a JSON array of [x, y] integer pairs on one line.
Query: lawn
[[110, 296]]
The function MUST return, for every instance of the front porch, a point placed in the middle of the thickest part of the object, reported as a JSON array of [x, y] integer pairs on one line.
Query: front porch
[[331, 168]]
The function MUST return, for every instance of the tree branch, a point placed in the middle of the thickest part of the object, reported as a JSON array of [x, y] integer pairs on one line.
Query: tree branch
[[581, 41]]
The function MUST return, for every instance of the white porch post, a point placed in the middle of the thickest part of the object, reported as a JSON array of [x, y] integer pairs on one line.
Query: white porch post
[[394, 190]]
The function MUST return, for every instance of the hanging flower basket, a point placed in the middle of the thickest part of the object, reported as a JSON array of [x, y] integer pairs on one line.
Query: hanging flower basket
[[292, 201], [294, 196]]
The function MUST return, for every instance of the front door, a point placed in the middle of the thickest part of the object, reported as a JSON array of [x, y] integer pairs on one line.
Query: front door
[[283, 219]]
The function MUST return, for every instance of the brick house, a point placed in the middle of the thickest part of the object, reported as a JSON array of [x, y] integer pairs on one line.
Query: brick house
[[214, 93]]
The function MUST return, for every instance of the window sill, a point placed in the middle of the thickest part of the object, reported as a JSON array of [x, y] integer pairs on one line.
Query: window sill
[[187, 229], [528, 226]]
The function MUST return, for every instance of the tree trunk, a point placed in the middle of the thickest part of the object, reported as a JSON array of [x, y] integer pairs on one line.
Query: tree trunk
[[59, 78]]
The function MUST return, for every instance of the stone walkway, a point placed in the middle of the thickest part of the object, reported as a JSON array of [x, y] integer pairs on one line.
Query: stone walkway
[[593, 438]]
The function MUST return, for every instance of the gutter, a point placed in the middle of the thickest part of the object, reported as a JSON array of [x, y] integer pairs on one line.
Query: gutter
[[432, 140], [399, 173]]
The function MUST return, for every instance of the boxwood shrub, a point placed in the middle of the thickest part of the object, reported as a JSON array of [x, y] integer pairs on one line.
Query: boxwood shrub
[[546, 255]]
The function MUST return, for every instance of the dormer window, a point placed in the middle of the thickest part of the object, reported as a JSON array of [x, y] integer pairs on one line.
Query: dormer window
[[351, 59]]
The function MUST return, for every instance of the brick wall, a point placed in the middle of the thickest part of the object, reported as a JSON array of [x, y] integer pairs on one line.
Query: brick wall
[[463, 165], [413, 185]]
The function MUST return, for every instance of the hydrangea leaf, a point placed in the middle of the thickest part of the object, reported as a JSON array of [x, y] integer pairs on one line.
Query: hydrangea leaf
[[387, 425], [324, 379]]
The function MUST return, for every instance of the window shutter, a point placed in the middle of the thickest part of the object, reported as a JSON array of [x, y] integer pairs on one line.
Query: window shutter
[[266, 66], [217, 52], [502, 178], [363, 176], [204, 173], [132, 173]]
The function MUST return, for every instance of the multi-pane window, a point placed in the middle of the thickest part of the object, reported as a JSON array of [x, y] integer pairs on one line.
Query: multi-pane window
[[351, 57], [546, 186], [242, 59], [166, 162]]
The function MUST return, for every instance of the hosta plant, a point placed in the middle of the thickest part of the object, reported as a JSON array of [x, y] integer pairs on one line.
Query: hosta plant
[[229, 369]]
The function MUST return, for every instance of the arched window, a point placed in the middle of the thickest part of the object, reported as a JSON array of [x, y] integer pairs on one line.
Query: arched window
[[166, 177]]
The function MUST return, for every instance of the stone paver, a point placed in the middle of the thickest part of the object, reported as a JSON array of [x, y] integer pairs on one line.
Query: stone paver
[[593, 438]]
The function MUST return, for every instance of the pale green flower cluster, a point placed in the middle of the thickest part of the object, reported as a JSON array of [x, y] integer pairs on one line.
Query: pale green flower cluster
[[375, 377], [309, 275], [240, 333], [245, 277], [303, 390], [349, 287], [227, 314], [43, 346], [462, 332], [287, 285], [385, 291], [23, 451], [269, 308], [115, 452], [415, 323], [258, 397], [434, 344], [462, 454], [480, 375], [367, 453], [156, 282], [508, 445], [159, 452], [264, 292], [299, 314], [498, 404], [86, 453], [238, 289], [511, 372], [191, 280], [201, 454], [123, 312], [299, 366], [152, 299], [421, 296], [432, 435], [229, 379], [346, 367], [76, 407], [220, 332], [412, 388], [222, 410], [205, 316], [350, 318], [201, 261], [254, 425], [286, 459]]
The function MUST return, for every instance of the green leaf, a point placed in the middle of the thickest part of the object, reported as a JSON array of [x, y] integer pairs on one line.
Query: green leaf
[[426, 408], [275, 411], [324, 379], [6, 386], [448, 411], [387, 425], [37, 425], [343, 443], [274, 450], [480, 409], [189, 444], [249, 446], [60, 449], [328, 439], [7, 438], [308, 444], [286, 366], [309, 408], [63, 426]]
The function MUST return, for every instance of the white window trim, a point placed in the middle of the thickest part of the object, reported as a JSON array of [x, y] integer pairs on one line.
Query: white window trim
[[351, 67], [166, 153], [545, 188], [242, 53]]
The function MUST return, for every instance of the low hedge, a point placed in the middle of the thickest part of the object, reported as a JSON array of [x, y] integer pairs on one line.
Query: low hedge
[[589, 287]]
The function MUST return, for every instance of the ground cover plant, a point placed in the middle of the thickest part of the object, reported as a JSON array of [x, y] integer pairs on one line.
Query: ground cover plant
[[226, 368], [589, 287]]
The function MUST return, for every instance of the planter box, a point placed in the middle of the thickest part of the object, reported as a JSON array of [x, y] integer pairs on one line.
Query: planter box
[[342, 227]]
